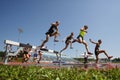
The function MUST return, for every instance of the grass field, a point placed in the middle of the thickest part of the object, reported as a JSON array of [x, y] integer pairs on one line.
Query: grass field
[[19, 71], [8, 72]]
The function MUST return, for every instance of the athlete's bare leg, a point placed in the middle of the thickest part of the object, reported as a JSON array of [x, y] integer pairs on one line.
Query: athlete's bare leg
[[46, 40]]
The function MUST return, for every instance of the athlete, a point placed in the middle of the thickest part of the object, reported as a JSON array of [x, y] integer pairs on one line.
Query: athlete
[[98, 51], [40, 56], [68, 41], [80, 38], [26, 54], [53, 31]]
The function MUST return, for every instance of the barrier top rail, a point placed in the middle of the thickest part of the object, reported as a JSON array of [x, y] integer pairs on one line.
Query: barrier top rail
[[9, 42]]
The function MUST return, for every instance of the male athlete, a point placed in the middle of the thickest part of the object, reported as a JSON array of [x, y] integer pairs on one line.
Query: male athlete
[[98, 51], [68, 41], [53, 31], [80, 38]]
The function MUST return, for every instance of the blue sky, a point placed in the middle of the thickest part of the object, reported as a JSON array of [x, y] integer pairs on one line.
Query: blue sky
[[35, 17]]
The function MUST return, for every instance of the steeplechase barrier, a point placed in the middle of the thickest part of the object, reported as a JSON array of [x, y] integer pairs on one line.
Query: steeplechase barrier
[[21, 45]]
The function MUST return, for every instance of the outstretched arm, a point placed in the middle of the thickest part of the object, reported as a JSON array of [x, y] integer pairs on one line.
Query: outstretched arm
[[92, 41]]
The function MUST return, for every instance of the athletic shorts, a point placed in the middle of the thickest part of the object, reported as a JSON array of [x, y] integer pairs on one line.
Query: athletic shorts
[[67, 41], [49, 32], [79, 36], [35, 55], [25, 52], [96, 52]]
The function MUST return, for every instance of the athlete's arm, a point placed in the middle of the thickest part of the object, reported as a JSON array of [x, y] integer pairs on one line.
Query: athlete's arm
[[92, 41]]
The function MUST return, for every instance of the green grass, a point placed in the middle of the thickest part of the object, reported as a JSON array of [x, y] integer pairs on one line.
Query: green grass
[[39, 73]]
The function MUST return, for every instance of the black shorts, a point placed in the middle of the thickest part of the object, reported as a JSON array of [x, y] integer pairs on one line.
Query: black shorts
[[25, 52], [67, 41], [49, 32], [80, 36], [96, 52]]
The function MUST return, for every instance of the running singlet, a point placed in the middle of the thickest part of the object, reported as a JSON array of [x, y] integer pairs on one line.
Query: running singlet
[[69, 37], [97, 49], [82, 33], [51, 30]]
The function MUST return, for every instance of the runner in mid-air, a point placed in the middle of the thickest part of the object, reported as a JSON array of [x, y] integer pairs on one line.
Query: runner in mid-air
[[80, 38], [98, 51], [53, 31], [68, 41]]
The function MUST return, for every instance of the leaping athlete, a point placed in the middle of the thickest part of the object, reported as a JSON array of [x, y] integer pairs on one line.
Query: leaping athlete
[[80, 38], [68, 41], [98, 51], [53, 31]]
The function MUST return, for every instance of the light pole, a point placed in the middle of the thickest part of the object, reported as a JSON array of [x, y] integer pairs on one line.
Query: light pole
[[20, 31]]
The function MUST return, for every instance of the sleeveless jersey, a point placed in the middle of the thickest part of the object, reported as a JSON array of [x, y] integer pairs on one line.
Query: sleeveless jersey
[[82, 33]]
